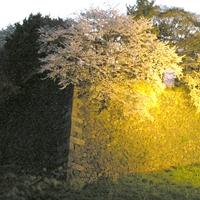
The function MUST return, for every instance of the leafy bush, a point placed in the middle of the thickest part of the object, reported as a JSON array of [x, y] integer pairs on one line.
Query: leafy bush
[[156, 134]]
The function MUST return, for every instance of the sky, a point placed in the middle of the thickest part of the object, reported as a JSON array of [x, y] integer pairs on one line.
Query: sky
[[12, 11]]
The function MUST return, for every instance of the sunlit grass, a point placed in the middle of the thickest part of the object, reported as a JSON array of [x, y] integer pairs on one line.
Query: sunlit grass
[[180, 183], [172, 184]]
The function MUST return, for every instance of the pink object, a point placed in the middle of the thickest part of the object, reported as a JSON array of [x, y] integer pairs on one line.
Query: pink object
[[169, 78]]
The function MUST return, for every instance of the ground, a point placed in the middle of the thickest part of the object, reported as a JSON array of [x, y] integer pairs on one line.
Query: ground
[[182, 183]]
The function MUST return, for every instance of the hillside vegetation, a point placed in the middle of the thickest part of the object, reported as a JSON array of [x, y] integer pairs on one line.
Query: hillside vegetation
[[162, 132]]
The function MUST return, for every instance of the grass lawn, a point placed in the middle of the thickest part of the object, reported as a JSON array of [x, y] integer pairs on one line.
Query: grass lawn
[[181, 183]]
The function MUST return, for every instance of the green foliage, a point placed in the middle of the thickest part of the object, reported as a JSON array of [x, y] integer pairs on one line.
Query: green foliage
[[6, 86], [22, 46], [143, 8], [193, 82], [5, 33], [189, 47], [175, 24], [171, 24]]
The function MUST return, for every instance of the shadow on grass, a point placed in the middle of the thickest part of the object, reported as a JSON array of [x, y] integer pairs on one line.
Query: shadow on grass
[[181, 183]]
